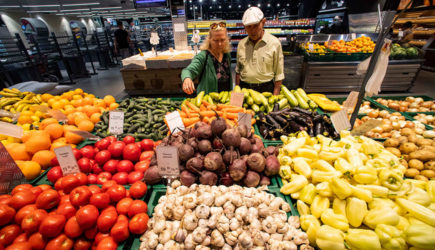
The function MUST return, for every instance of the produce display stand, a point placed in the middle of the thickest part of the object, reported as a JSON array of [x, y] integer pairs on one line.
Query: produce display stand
[[401, 98]]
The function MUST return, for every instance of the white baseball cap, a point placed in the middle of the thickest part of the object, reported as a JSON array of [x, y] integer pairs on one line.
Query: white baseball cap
[[253, 15]]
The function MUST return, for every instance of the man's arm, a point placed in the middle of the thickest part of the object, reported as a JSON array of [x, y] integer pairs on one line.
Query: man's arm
[[237, 79], [278, 68], [277, 87]]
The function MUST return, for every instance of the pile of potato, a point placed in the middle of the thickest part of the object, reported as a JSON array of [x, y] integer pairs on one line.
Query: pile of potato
[[410, 104], [426, 119], [416, 153]]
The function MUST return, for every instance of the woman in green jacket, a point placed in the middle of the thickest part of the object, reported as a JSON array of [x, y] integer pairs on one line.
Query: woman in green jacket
[[212, 66]]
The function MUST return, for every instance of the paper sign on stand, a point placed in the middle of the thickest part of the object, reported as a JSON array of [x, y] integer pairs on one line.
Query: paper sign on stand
[[86, 135], [66, 159], [168, 162], [10, 174], [10, 129], [366, 127], [116, 122], [237, 99], [245, 119], [340, 120], [353, 36], [351, 100], [58, 115], [311, 47], [174, 122]]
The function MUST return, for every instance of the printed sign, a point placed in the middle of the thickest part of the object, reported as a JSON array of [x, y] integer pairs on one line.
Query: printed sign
[[41, 108], [10, 129], [351, 100], [116, 122], [10, 174], [245, 119], [174, 121], [58, 115], [340, 120], [311, 47], [86, 135], [167, 161], [366, 127], [400, 33], [66, 159], [353, 36], [237, 99]]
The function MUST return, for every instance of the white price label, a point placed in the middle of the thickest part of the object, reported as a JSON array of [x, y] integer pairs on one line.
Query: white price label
[[340, 120], [174, 121], [311, 47], [66, 159], [86, 135], [11, 174], [10, 129], [116, 122], [245, 119], [167, 161], [351, 100], [58, 115], [366, 127], [237, 99], [400, 34], [353, 36]]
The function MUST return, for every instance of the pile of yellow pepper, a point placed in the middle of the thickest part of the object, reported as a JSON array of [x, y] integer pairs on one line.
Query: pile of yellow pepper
[[351, 194]]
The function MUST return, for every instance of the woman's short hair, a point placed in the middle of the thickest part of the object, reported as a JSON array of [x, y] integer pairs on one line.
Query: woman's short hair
[[206, 44]]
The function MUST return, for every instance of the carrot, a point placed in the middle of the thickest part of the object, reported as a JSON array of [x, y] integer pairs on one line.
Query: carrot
[[252, 121], [206, 119], [185, 110], [182, 114], [192, 107], [192, 115], [206, 103], [212, 107], [189, 121], [207, 113], [234, 110], [202, 107], [250, 111], [231, 116], [222, 106]]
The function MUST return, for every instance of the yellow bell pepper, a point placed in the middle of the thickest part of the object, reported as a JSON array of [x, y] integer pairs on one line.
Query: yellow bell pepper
[[297, 183], [384, 215], [295, 196], [324, 102], [306, 153], [362, 239], [308, 221], [339, 206], [354, 158], [356, 210], [334, 220], [341, 188], [377, 191], [365, 174], [361, 193], [418, 211], [319, 205], [377, 203], [403, 223], [323, 165], [390, 179], [324, 189], [420, 196], [421, 236], [321, 176], [390, 237], [418, 183], [285, 172], [343, 166], [300, 166], [431, 189], [284, 160], [303, 209], [291, 148], [307, 193], [329, 238], [330, 154], [371, 147], [312, 234]]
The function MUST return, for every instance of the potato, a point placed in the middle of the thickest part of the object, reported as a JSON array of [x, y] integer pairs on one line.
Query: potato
[[430, 165], [394, 151], [423, 142], [405, 157], [407, 132], [390, 142], [428, 173], [421, 178], [402, 139], [411, 172], [429, 148], [412, 138], [404, 163], [417, 164], [433, 143], [407, 148], [422, 155]]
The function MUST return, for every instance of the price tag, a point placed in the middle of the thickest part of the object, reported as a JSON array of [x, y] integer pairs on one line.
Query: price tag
[[10, 174], [245, 119], [4, 113], [86, 135], [41, 108], [116, 122], [58, 115], [366, 127], [340, 120], [168, 162], [353, 36], [66, 159], [311, 47], [400, 34], [237, 99], [351, 100], [10, 129], [174, 121]]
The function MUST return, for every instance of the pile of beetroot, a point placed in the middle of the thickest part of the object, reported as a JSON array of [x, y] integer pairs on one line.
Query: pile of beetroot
[[216, 153]]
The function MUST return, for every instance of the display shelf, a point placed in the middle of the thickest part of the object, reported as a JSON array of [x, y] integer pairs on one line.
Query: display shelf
[[401, 98]]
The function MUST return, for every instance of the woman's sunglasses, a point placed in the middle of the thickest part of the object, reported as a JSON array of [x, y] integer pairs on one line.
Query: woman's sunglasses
[[214, 26]]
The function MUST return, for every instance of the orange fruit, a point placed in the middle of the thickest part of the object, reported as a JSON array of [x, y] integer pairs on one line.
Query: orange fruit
[[95, 117], [113, 106], [27, 112], [45, 97], [88, 100], [39, 140], [57, 105], [47, 122], [70, 118], [86, 125], [78, 91], [24, 119], [91, 110], [43, 158], [108, 99], [73, 138], [18, 151], [80, 117], [99, 103], [30, 169], [55, 130], [58, 143]]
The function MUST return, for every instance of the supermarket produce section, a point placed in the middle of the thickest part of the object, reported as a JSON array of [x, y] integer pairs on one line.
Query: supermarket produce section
[[268, 172]]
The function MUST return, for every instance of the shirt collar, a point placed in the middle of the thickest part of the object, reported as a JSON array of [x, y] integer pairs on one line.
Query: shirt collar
[[264, 39]]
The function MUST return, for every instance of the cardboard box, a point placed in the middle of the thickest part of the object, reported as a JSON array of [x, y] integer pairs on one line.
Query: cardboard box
[[152, 81]]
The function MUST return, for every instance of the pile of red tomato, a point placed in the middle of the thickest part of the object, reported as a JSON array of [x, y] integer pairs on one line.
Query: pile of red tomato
[[72, 216], [109, 159]]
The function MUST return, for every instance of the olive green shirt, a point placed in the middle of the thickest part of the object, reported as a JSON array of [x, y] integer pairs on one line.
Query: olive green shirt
[[261, 62]]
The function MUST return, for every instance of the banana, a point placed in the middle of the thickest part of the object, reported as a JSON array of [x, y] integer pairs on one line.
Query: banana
[[6, 119], [13, 110], [9, 101], [38, 96], [29, 96], [21, 107], [26, 107], [35, 100], [7, 94], [7, 107], [22, 102], [13, 91]]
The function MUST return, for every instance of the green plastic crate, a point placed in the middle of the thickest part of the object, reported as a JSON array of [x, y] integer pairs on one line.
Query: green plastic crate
[[401, 98], [85, 143]]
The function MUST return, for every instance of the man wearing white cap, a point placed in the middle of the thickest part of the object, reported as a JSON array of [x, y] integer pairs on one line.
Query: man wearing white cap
[[260, 62]]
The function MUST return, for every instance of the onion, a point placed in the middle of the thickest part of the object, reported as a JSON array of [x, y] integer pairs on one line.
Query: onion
[[414, 105], [410, 98], [378, 130], [383, 113], [395, 125], [418, 131], [385, 135], [374, 113], [384, 102], [403, 108], [418, 100], [409, 124], [365, 118], [394, 106], [386, 127], [432, 107]]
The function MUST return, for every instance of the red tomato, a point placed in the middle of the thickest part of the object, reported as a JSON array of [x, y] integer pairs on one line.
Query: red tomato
[[138, 144], [8, 234], [96, 169], [121, 178], [139, 223], [87, 152], [129, 139], [142, 165], [66, 209], [5, 199], [123, 206], [125, 166], [48, 199], [37, 241], [61, 242], [138, 189], [82, 244], [21, 187], [92, 179], [23, 212], [107, 244], [147, 144], [135, 176], [58, 185], [83, 178], [102, 157], [106, 220], [64, 198], [111, 139], [21, 238], [32, 221], [54, 174], [146, 155], [85, 165], [91, 233], [54, 161], [110, 166], [69, 182], [102, 144], [72, 228], [103, 177], [52, 225], [45, 187], [116, 148], [131, 152], [100, 200], [119, 231], [77, 153], [87, 216], [137, 207], [80, 196], [36, 190], [22, 198], [7, 214], [94, 189], [19, 246], [116, 193], [107, 185]]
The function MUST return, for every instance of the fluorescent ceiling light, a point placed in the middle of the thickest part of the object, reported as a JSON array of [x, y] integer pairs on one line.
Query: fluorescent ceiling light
[[37, 6], [9, 6], [129, 10], [107, 8], [74, 10], [79, 4], [39, 11]]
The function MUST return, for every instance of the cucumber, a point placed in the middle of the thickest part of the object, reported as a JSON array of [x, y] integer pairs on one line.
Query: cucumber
[[302, 103], [283, 102], [237, 89], [214, 95], [303, 94], [267, 94], [199, 98], [250, 101], [312, 104], [256, 96], [290, 97], [255, 107]]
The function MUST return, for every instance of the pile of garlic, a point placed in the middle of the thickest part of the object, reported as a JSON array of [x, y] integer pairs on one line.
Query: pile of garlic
[[210, 217]]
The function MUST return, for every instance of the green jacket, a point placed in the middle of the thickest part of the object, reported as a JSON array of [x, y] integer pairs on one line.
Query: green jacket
[[209, 81]]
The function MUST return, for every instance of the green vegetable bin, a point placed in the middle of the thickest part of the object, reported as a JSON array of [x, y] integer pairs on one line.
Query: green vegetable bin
[[401, 98]]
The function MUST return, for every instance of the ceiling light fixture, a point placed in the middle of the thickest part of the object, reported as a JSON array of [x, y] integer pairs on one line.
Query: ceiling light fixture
[[229, 6], [9, 6], [42, 11], [79, 4], [72, 10], [107, 8], [37, 6], [259, 5]]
